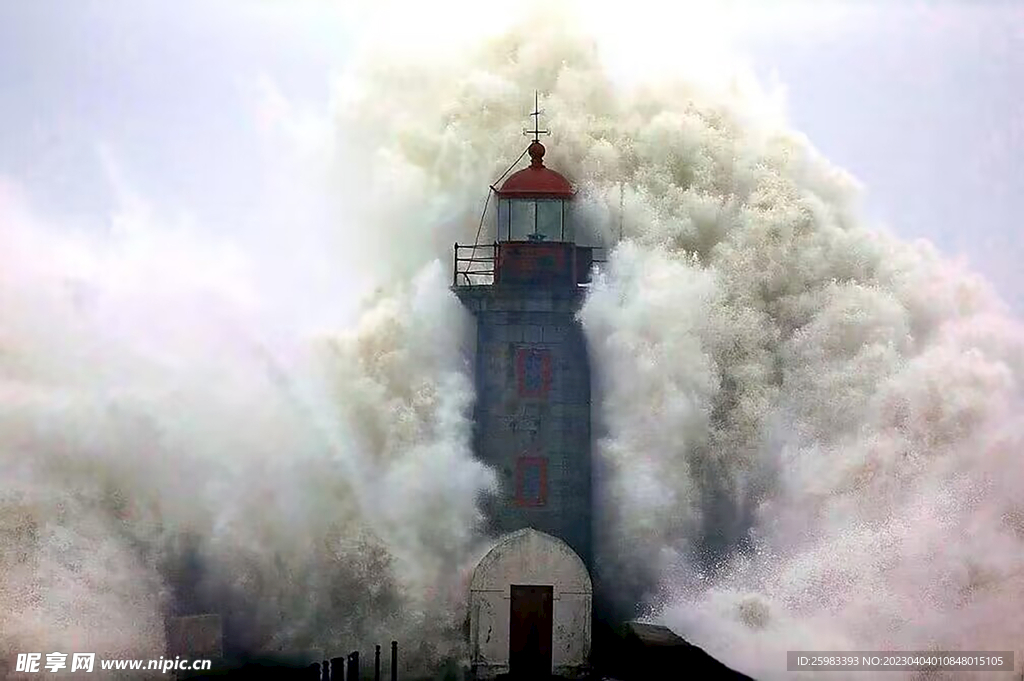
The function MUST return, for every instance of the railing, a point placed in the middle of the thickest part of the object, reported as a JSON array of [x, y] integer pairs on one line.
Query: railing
[[476, 267], [347, 668]]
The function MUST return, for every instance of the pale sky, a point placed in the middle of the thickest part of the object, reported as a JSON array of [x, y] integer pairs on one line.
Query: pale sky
[[922, 102]]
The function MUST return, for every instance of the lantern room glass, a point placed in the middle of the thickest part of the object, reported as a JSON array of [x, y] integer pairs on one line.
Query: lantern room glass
[[531, 220], [523, 220], [549, 220]]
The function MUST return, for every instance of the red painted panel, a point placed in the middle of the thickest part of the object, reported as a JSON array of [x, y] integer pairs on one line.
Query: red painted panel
[[534, 263], [533, 371], [531, 481]]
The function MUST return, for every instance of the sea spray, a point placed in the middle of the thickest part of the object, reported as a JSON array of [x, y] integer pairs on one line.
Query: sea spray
[[167, 447], [810, 428], [809, 424]]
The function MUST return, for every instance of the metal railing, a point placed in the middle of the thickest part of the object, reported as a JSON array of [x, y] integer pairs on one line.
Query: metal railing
[[474, 265]]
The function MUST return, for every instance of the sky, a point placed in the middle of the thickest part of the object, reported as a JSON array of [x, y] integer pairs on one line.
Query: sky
[[177, 103]]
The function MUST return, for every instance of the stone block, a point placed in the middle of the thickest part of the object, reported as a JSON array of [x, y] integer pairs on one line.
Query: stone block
[[553, 334], [538, 305]]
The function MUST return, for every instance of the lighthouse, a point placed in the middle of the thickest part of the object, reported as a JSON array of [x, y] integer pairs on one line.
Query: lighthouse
[[531, 597]]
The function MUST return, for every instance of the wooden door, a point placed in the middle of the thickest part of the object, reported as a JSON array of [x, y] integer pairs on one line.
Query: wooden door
[[529, 654]]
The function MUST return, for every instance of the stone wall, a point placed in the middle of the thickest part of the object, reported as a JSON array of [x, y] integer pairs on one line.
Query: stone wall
[[532, 416]]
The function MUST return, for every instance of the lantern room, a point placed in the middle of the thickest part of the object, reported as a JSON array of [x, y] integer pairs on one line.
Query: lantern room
[[534, 240], [532, 203]]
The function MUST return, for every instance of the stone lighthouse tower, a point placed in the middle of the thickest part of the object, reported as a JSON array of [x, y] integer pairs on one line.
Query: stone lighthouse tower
[[531, 597]]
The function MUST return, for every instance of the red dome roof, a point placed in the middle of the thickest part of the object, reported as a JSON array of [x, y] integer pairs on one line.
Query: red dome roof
[[536, 181]]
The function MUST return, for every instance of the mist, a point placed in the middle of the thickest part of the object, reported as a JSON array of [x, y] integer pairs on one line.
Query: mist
[[809, 427]]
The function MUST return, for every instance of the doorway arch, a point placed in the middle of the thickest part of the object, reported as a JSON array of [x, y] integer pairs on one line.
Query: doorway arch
[[528, 584]]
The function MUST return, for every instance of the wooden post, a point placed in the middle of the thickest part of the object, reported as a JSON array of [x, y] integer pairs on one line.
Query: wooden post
[[394, 661], [376, 663], [338, 669], [325, 671], [313, 672], [353, 666]]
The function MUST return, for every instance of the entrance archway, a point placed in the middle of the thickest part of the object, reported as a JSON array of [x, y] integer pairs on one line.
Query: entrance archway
[[530, 608]]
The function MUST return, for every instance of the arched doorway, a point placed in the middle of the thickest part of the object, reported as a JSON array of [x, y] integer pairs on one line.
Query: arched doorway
[[530, 607]]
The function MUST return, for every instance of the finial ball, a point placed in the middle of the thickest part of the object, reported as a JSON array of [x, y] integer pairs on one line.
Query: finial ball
[[536, 151]]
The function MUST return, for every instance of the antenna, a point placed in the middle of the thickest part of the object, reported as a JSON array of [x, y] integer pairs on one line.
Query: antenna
[[536, 132]]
